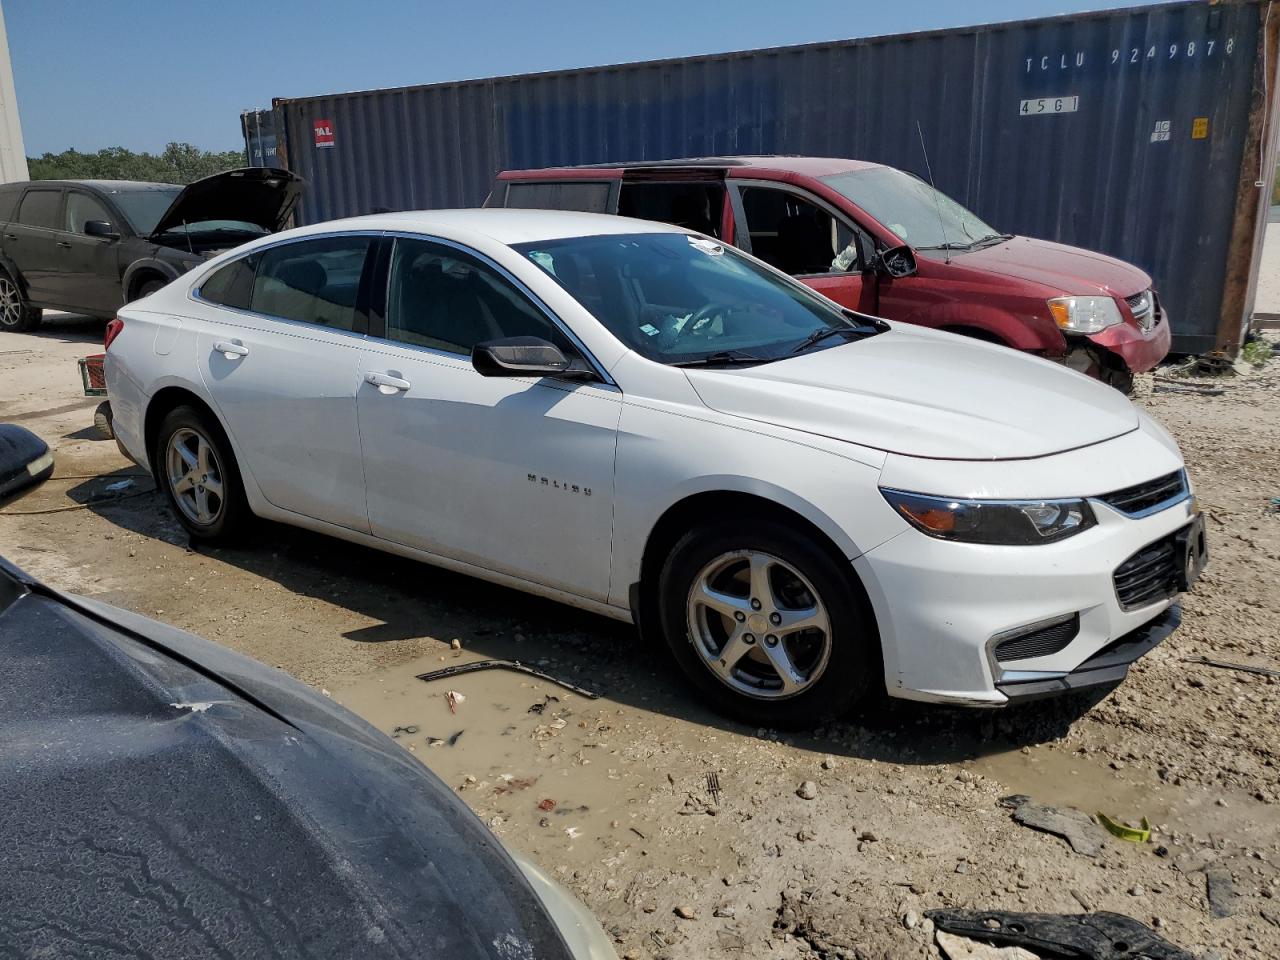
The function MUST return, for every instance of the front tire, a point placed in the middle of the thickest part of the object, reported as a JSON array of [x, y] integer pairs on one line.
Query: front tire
[[16, 314], [767, 625], [196, 468]]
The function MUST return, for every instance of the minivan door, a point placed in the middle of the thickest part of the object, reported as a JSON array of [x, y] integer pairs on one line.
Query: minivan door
[[803, 236]]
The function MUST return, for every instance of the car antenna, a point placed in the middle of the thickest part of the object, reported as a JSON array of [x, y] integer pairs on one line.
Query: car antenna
[[187, 231], [946, 247]]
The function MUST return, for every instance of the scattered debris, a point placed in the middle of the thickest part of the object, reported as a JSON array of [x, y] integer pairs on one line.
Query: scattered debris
[[713, 787], [1221, 891], [1125, 832], [1089, 936], [511, 784], [546, 805], [1071, 824], [685, 912], [515, 665], [410, 729], [455, 644], [572, 832], [807, 790], [443, 741], [541, 707], [960, 948], [453, 697], [1226, 665], [638, 833]]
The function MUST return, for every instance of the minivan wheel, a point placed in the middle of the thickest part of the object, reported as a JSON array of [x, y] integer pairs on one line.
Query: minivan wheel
[[16, 314], [766, 624], [196, 468]]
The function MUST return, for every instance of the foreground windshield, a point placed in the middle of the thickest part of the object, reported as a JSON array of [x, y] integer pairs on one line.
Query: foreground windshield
[[920, 215], [676, 298], [144, 208]]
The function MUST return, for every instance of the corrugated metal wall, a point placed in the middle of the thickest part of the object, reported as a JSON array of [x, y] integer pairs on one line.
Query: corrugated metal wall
[[1147, 168]]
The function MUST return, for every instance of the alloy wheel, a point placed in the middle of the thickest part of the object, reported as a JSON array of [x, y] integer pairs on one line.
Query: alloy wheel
[[195, 476], [759, 625], [11, 308]]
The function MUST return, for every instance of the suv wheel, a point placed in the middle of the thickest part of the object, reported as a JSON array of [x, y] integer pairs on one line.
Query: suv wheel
[[766, 625], [147, 288], [198, 472], [16, 314]]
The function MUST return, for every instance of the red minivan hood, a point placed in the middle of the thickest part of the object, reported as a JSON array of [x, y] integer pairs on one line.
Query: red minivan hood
[[1070, 270]]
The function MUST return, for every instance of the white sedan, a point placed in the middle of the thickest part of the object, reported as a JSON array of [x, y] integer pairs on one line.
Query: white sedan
[[807, 503]]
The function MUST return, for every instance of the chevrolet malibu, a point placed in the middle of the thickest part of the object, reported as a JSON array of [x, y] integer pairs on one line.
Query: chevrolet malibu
[[807, 503]]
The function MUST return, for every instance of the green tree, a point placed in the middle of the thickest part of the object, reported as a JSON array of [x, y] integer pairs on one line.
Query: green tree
[[177, 163]]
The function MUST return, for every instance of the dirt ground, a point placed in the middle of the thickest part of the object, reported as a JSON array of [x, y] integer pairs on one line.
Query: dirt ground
[[613, 795]]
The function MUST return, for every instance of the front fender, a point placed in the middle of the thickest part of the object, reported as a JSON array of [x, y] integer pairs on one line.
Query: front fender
[[1034, 334]]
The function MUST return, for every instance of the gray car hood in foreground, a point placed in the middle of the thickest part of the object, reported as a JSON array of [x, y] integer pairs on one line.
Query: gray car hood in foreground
[[925, 394], [165, 797]]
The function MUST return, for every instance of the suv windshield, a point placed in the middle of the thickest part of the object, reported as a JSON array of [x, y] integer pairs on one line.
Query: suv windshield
[[923, 217], [676, 298], [144, 208]]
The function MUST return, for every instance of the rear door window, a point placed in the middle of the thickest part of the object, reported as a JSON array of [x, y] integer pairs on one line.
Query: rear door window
[[587, 197], [694, 206], [313, 281], [40, 208]]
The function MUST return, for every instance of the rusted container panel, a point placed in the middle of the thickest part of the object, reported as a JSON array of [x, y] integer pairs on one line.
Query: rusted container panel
[[1137, 133]]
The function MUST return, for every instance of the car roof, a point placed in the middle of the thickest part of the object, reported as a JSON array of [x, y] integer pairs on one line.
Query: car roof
[[808, 166], [107, 186], [505, 225]]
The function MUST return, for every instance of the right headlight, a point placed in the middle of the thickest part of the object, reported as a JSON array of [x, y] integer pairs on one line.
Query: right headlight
[[1085, 314], [1005, 522]]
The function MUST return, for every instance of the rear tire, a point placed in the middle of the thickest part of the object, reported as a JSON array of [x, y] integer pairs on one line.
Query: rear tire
[[197, 470], [16, 314], [734, 603]]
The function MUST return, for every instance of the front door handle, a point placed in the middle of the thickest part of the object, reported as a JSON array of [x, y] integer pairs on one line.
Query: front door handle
[[230, 349], [64, 244], [11, 236], [386, 383]]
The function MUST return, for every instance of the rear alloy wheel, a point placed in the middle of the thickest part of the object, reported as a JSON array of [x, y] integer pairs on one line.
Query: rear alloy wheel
[[199, 475], [16, 314], [767, 625]]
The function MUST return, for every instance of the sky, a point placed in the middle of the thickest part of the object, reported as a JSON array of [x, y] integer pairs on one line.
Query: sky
[[141, 73]]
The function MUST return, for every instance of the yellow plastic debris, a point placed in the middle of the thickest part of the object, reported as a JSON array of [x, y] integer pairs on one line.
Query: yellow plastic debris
[[1125, 832]]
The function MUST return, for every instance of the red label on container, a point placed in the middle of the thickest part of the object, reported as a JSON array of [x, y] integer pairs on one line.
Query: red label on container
[[324, 133]]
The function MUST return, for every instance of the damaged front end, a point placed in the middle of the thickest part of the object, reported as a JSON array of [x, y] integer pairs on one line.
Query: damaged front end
[[1084, 356]]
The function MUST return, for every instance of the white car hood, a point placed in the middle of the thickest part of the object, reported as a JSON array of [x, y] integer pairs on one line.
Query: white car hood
[[925, 394]]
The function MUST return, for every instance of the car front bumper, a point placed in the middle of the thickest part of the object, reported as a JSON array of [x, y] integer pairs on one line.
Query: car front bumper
[[1139, 351], [942, 607]]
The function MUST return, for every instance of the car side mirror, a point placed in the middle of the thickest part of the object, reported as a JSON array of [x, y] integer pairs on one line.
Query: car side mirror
[[100, 228], [520, 357], [897, 262]]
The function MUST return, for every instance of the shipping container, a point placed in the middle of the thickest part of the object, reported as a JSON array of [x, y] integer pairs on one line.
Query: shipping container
[[259, 129], [1137, 132]]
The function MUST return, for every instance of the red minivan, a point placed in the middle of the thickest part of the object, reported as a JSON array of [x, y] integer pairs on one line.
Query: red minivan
[[884, 242]]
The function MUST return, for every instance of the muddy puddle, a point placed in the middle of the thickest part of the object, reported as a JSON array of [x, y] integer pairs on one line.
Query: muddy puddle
[[546, 768]]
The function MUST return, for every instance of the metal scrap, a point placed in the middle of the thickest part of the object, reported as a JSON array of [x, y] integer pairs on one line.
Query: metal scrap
[[1071, 824], [514, 665], [1088, 936], [1227, 665]]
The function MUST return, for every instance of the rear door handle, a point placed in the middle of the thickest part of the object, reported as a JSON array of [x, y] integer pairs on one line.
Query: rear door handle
[[64, 245], [230, 349], [386, 383]]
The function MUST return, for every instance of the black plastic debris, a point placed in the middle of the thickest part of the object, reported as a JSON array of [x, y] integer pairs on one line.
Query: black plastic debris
[[1084, 936], [25, 459]]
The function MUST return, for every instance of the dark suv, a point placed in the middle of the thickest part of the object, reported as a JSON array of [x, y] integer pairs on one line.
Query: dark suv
[[88, 246]]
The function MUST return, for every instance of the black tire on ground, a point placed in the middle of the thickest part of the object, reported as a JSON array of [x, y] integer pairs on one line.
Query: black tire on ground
[[147, 288], [854, 667], [16, 315], [228, 514], [1121, 379]]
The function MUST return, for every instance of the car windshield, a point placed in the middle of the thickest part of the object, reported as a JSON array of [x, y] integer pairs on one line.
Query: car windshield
[[144, 208], [923, 217], [676, 298]]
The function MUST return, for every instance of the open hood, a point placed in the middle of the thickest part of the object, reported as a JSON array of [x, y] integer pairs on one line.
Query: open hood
[[263, 196], [925, 394]]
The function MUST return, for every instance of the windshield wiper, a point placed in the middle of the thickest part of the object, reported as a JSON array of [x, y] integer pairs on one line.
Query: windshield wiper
[[721, 358], [947, 246], [823, 333], [996, 237]]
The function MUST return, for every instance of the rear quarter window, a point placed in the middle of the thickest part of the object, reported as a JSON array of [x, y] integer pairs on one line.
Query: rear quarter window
[[9, 202], [585, 197], [40, 208]]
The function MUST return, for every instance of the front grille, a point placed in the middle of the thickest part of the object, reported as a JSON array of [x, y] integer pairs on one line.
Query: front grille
[[1141, 497], [1145, 309], [1150, 575], [1040, 642]]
